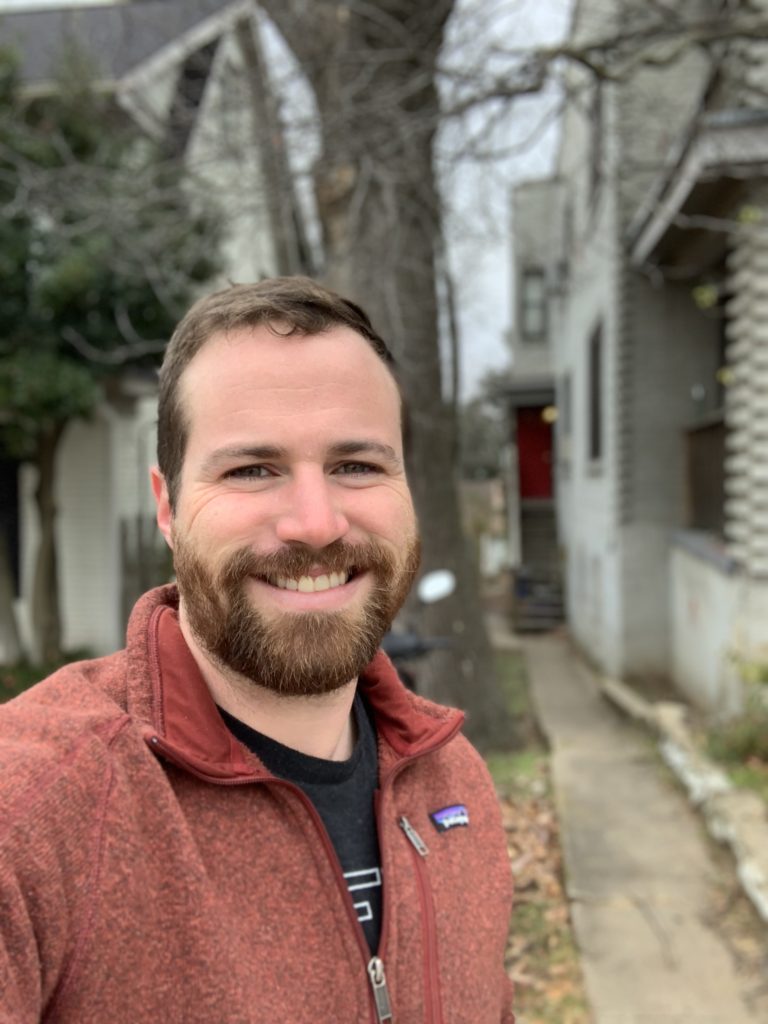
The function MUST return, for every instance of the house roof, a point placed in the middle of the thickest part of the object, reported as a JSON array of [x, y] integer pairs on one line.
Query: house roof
[[709, 169], [120, 37]]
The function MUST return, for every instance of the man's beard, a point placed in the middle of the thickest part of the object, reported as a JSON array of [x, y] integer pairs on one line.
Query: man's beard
[[292, 653]]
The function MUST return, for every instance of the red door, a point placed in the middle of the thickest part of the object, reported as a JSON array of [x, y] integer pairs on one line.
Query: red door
[[534, 452]]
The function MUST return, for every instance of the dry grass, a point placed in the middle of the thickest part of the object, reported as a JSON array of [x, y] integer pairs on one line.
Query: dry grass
[[542, 958]]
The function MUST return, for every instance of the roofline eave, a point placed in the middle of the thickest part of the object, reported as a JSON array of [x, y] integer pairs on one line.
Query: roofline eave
[[717, 141]]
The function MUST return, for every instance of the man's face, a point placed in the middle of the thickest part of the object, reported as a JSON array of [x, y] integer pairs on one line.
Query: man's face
[[294, 534]]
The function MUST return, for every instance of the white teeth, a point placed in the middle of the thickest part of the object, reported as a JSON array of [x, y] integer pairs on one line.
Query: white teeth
[[312, 585]]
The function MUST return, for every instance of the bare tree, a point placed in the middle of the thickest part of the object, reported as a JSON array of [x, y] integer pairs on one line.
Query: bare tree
[[372, 70]]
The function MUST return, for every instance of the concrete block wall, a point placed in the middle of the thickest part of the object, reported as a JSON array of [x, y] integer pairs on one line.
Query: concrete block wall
[[746, 407], [744, 76]]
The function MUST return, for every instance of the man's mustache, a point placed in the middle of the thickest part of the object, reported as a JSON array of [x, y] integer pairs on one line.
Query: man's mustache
[[297, 560]]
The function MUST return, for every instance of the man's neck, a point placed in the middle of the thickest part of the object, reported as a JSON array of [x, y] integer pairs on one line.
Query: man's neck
[[322, 726]]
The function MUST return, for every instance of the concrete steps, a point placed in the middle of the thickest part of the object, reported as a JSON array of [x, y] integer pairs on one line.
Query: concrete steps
[[538, 589]]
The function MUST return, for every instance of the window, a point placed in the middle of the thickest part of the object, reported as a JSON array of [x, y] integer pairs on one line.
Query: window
[[533, 304], [595, 397], [190, 87]]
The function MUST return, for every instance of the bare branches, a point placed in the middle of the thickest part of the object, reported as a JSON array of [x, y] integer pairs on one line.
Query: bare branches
[[615, 57], [338, 55], [119, 356]]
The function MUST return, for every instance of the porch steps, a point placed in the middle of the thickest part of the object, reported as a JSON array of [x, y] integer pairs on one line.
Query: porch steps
[[538, 588]]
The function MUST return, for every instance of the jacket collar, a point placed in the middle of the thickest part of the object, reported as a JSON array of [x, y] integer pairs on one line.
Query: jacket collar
[[185, 724]]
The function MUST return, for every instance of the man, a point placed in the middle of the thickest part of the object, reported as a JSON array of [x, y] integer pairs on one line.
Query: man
[[244, 816]]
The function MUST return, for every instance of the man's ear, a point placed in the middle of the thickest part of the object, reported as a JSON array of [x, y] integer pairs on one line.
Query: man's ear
[[163, 503]]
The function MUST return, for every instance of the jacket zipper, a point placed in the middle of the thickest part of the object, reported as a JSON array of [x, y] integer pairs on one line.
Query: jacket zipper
[[374, 965], [378, 981], [433, 1012]]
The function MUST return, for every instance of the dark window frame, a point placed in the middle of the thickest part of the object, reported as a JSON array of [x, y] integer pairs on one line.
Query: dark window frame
[[565, 417], [597, 151], [595, 397]]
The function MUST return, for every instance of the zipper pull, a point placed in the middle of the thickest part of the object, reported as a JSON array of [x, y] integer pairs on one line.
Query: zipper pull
[[417, 842], [380, 991]]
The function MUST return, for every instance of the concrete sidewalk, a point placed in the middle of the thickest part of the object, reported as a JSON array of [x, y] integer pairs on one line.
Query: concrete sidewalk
[[639, 871]]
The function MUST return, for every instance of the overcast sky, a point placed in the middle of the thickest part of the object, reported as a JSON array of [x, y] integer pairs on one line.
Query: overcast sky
[[479, 193]]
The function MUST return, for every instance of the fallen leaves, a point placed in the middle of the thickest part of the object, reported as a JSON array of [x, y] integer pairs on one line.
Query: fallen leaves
[[541, 955]]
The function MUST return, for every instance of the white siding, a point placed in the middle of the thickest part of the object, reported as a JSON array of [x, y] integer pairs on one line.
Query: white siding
[[223, 160], [89, 566], [616, 517], [586, 491]]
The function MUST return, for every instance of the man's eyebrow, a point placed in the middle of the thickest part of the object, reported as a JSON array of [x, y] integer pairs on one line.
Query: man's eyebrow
[[260, 452], [385, 451]]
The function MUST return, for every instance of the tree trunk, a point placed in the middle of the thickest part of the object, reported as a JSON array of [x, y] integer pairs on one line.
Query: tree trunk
[[46, 618], [292, 249], [372, 71]]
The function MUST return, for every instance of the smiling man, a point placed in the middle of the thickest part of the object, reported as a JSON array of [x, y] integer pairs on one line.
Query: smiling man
[[244, 816]]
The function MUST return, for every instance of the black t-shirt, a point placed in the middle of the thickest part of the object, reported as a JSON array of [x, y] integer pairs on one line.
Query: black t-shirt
[[342, 792]]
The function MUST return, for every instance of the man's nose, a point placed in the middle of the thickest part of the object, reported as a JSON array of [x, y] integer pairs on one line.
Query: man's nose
[[312, 515]]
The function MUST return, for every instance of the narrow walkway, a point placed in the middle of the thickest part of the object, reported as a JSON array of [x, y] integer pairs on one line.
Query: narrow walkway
[[639, 868]]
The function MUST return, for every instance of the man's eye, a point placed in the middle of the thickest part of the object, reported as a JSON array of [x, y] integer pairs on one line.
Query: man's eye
[[249, 473], [357, 469]]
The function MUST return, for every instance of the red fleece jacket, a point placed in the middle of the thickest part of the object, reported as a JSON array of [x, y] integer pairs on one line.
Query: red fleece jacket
[[151, 869]]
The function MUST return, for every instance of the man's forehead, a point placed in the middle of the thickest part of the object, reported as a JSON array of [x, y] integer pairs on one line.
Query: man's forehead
[[242, 387], [278, 355], [277, 341]]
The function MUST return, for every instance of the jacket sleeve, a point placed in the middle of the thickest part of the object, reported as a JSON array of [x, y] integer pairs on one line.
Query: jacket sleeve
[[20, 968], [46, 850]]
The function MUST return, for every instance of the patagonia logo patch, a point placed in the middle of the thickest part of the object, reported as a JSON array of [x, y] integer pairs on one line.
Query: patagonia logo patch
[[450, 817]]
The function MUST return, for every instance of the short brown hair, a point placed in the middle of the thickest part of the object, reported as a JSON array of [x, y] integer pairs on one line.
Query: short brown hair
[[299, 304]]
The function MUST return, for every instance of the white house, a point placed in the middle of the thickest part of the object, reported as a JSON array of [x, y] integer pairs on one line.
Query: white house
[[189, 73], [537, 225], [655, 315]]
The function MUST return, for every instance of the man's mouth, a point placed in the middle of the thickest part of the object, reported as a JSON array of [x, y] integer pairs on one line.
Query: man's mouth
[[310, 584]]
